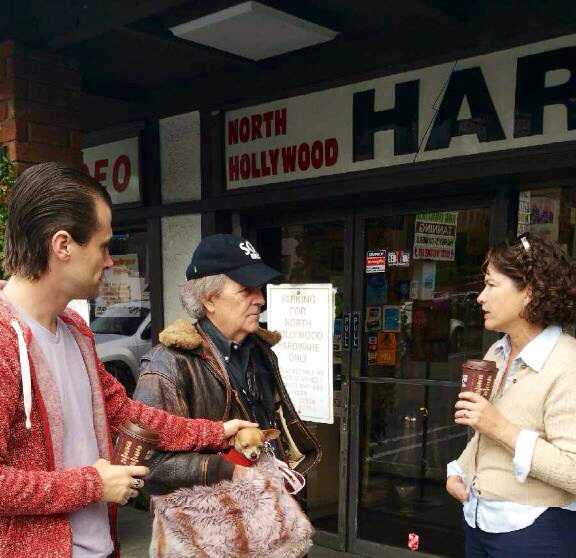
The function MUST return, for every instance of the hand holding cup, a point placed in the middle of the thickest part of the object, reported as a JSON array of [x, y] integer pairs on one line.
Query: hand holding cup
[[478, 376], [119, 481]]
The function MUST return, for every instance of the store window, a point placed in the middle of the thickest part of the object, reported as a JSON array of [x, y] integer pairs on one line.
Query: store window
[[550, 213], [422, 321], [120, 317]]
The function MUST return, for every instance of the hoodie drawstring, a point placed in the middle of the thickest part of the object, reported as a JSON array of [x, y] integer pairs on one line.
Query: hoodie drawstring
[[24, 371]]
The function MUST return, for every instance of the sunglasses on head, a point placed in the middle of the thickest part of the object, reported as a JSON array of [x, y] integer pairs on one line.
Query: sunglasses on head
[[520, 239]]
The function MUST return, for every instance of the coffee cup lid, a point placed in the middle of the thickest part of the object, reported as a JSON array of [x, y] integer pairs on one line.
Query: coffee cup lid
[[479, 364], [146, 433]]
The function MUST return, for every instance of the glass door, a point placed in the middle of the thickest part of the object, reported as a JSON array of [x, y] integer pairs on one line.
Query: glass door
[[317, 249], [417, 276]]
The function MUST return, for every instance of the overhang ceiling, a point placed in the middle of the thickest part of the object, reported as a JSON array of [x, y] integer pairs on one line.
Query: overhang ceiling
[[128, 57]]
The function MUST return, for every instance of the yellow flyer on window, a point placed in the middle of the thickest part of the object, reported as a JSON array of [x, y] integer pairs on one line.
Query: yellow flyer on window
[[386, 349]]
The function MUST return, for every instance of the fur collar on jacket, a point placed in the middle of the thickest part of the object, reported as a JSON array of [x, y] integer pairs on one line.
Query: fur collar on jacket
[[184, 335]]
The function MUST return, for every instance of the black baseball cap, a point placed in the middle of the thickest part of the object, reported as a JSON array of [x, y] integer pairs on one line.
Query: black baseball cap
[[233, 256]]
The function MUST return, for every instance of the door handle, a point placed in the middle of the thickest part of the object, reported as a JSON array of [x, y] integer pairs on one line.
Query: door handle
[[346, 333], [356, 331]]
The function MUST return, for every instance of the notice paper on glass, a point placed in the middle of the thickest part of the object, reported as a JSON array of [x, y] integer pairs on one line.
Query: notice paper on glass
[[304, 315]]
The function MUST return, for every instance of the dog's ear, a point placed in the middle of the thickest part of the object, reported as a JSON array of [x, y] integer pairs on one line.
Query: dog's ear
[[271, 434], [232, 440]]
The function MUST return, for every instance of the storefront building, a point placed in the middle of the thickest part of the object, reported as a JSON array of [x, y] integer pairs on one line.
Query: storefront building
[[391, 188]]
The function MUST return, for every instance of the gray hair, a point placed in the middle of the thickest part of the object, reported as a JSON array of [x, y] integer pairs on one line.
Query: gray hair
[[194, 292]]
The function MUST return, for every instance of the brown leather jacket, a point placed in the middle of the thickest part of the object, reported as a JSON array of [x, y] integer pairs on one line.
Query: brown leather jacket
[[185, 375]]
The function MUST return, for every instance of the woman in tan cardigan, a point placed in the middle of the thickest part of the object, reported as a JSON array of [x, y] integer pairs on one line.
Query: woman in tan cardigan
[[516, 478]]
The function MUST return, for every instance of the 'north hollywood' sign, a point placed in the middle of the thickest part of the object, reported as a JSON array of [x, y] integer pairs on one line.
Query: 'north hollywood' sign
[[508, 99]]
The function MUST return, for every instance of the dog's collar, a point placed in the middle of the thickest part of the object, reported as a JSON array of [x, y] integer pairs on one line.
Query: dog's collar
[[236, 457]]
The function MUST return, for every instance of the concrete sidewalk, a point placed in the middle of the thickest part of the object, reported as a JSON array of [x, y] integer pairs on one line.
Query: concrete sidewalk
[[135, 527]]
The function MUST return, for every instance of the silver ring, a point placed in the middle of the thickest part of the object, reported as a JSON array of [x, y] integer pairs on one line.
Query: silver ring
[[136, 483]]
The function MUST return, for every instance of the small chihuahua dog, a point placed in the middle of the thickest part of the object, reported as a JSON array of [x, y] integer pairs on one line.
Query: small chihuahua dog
[[247, 445]]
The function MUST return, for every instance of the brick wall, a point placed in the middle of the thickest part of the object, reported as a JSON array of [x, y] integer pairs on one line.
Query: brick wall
[[39, 107]]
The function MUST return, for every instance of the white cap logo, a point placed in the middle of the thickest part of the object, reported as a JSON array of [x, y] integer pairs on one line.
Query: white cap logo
[[249, 250]]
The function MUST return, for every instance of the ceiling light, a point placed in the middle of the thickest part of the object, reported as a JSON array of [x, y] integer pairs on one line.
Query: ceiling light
[[254, 31]]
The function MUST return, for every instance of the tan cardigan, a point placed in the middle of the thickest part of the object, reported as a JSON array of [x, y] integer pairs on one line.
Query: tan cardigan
[[544, 402]]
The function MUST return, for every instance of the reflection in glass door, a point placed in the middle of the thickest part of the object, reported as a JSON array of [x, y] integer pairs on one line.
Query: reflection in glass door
[[316, 252], [121, 314], [420, 321]]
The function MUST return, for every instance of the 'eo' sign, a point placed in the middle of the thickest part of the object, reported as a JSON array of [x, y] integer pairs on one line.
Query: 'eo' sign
[[115, 165]]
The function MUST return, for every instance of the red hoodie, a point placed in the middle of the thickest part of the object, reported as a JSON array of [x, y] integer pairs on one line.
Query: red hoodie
[[36, 494]]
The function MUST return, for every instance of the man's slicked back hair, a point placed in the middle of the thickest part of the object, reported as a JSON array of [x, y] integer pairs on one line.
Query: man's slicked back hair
[[48, 197]]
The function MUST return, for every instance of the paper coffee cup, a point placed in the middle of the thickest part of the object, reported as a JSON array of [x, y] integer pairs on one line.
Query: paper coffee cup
[[135, 444], [479, 376]]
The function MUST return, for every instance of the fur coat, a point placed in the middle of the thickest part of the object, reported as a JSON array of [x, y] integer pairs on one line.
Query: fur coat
[[252, 517]]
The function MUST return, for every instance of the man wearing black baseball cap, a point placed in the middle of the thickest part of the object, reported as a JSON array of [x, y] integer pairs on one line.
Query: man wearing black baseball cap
[[233, 256], [221, 365]]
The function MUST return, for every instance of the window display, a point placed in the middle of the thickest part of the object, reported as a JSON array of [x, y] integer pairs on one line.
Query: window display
[[120, 316], [550, 213], [423, 293]]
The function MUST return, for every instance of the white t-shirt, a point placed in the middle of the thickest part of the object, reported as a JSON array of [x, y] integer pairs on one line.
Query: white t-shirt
[[90, 525]]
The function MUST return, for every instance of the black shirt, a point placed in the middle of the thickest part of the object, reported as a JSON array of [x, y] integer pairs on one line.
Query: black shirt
[[248, 373]]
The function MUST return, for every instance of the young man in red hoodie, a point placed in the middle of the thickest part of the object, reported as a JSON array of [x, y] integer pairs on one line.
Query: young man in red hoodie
[[58, 405]]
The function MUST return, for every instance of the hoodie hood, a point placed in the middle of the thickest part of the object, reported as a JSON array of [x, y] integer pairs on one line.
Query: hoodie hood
[[24, 339]]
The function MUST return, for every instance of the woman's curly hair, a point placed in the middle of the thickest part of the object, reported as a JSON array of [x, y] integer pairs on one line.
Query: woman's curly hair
[[548, 272]]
